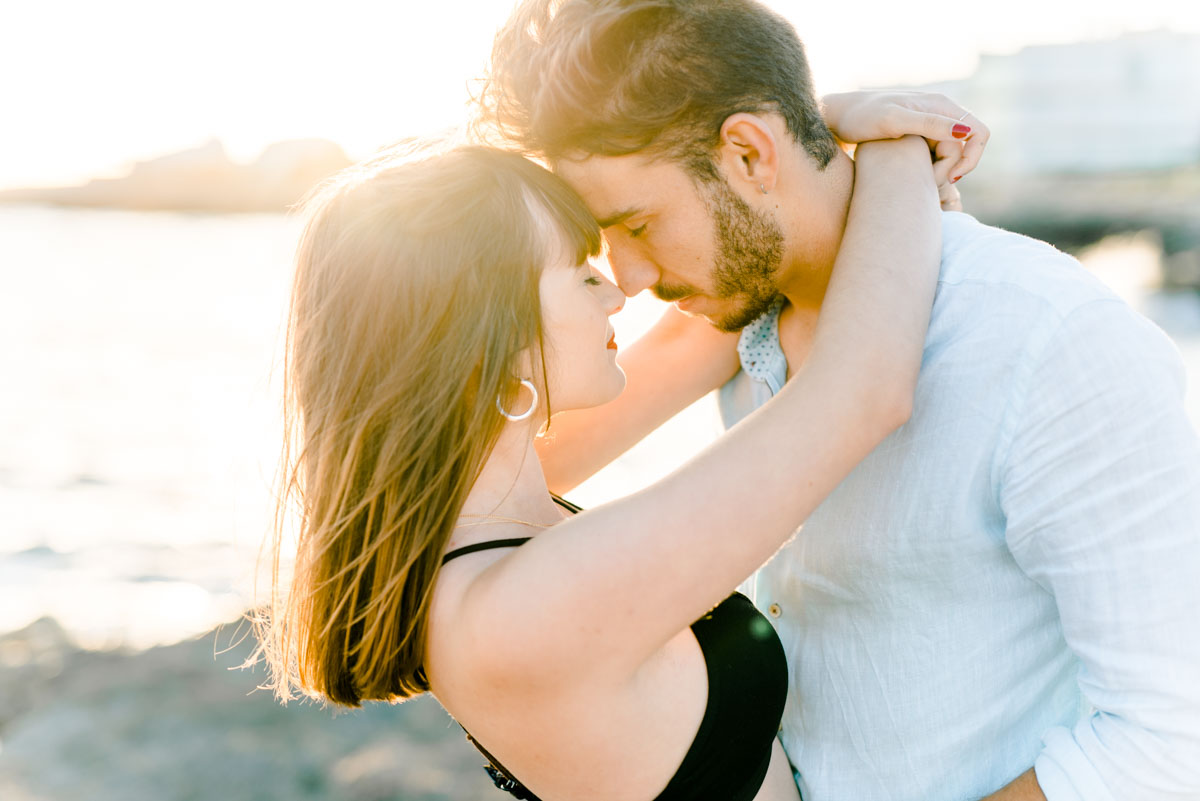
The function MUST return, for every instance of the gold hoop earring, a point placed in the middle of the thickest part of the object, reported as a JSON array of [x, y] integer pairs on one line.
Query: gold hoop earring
[[516, 418]]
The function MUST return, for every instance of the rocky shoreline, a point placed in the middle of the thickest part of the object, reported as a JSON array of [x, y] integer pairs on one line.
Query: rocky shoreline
[[204, 179], [182, 723]]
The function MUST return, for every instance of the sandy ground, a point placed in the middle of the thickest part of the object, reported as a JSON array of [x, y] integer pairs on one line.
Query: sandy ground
[[176, 723]]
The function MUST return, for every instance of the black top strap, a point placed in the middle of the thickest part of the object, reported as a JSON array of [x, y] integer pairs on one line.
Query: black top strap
[[512, 543], [484, 546], [500, 775], [564, 503]]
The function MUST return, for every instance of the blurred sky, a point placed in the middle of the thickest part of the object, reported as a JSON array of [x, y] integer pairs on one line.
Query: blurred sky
[[91, 87]]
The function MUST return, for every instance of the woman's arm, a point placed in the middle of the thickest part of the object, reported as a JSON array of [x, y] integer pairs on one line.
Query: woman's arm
[[605, 590], [672, 365], [681, 358]]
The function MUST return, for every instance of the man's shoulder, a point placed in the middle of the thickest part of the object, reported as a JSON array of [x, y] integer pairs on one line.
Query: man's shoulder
[[1000, 291], [1012, 270]]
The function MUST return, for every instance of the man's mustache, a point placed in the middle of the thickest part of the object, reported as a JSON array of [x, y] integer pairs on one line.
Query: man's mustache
[[673, 292]]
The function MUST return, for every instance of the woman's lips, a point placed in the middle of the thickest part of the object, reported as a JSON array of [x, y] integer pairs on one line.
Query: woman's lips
[[612, 342]]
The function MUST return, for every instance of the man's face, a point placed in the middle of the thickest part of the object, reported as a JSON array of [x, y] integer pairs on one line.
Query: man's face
[[697, 244]]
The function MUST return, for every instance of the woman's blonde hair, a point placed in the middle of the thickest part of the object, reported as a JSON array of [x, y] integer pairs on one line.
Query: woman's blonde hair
[[416, 289]]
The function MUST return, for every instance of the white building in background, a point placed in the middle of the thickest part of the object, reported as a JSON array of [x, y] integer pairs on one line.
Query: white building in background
[[1130, 103]]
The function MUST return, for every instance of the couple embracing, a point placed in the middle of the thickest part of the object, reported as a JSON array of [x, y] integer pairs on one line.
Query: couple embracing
[[959, 487]]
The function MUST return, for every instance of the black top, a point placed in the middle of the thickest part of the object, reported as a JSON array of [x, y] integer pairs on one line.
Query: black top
[[747, 687]]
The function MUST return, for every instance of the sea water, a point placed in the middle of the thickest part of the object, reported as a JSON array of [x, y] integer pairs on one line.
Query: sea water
[[139, 412], [140, 417]]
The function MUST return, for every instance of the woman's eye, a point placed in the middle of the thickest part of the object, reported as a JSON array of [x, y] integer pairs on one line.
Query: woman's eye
[[636, 232], [592, 280]]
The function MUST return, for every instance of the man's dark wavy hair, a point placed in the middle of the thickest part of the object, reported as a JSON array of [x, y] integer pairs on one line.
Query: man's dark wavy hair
[[611, 77]]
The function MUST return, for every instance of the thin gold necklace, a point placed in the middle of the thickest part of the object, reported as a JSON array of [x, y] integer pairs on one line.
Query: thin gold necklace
[[499, 519]]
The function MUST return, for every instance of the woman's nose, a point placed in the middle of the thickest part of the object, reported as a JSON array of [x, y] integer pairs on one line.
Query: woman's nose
[[617, 301], [613, 297]]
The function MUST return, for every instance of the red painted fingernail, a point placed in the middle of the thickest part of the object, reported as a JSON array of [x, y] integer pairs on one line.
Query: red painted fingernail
[[961, 131], [954, 180]]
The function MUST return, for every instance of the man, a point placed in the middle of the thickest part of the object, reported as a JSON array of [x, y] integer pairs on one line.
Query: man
[[1002, 599]]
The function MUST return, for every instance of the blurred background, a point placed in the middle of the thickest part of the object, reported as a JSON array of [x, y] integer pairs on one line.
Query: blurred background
[[148, 158]]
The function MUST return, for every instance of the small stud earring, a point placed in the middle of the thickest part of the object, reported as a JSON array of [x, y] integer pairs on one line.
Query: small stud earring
[[763, 188]]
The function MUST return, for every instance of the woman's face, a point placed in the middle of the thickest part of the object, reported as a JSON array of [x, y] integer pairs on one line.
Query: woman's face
[[581, 349]]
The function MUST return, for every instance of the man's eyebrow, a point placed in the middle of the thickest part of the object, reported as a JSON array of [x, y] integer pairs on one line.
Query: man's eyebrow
[[618, 218]]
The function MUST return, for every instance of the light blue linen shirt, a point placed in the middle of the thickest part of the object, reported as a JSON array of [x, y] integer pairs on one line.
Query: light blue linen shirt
[[1013, 577]]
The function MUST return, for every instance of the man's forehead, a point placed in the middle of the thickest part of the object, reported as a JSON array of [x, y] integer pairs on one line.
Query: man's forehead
[[592, 175], [613, 187]]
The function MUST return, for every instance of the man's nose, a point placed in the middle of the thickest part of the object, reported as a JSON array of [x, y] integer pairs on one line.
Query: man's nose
[[633, 271]]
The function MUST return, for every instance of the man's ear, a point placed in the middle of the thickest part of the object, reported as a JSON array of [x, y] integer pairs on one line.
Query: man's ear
[[749, 151]]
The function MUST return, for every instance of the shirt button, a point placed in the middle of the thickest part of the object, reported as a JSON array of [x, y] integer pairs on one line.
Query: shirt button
[[774, 610]]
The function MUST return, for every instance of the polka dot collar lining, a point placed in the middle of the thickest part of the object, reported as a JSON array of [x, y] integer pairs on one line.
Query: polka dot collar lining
[[758, 345]]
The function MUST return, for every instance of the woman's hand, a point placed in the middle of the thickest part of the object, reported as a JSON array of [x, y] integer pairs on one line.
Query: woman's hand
[[955, 136], [947, 168]]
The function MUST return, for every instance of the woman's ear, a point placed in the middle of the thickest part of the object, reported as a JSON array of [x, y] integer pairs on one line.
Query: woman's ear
[[524, 368], [749, 152], [529, 365]]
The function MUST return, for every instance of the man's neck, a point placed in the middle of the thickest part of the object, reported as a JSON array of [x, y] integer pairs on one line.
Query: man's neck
[[805, 277], [807, 291], [798, 320], [808, 267]]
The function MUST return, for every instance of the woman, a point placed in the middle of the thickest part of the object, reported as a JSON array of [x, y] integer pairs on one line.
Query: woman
[[443, 308]]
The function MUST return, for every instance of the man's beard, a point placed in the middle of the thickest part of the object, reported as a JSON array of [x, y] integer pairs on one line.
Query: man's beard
[[749, 250], [749, 253]]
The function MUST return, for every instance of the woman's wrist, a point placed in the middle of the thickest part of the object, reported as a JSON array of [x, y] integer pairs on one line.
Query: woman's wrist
[[906, 160], [833, 108], [907, 149]]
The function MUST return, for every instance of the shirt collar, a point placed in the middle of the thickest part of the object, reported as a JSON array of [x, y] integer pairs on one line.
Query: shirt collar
[[758, 346]]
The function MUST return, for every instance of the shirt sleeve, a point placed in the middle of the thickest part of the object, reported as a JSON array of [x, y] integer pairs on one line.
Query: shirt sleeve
[[1100, 487]]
